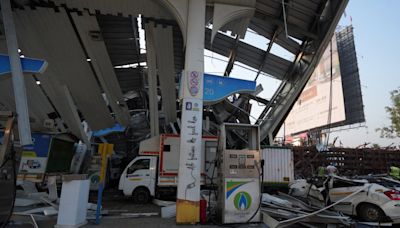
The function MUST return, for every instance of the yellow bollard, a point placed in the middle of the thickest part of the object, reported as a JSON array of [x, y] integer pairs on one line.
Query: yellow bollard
[[105, 150]]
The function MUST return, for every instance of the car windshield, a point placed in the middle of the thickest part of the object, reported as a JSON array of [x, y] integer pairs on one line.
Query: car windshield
[[386, 182], [357, 181]]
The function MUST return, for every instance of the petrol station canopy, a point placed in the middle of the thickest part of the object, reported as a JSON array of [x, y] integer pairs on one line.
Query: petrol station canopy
[[97, 69]]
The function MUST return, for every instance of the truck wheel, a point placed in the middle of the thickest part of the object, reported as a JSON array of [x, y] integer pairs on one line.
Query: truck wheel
[[371, 213], [141, 195]]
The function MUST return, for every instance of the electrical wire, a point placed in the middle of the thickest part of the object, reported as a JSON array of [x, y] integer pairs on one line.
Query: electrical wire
[[213, 186], [216, 194], [193, 183], [14, 176], [4, 162], [329, 122], [246, 68], [261, 179], [257, 99]]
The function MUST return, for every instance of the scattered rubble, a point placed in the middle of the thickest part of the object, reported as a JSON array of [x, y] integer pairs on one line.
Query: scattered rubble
[[283, 210], [317, 201], [32, 204]]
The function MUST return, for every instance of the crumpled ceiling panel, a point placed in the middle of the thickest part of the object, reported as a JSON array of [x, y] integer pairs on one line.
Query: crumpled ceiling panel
[[130, 78], [48, 32], [301, 13], [267, 30], [38, 105], [273, 8], [249, 55], [102, 65], [149, 8], [50, 84], [120, 36]]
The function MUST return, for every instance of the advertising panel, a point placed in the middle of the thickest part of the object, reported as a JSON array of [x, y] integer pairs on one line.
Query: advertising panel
[[315, 107], [34, 157]]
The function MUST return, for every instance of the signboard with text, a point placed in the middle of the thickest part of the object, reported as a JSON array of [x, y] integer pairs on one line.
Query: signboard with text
[[312, 108], [196, 87], [191, 133], [217, 88]]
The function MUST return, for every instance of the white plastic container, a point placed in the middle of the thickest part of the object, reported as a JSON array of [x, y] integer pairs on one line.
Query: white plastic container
[[73, 204]]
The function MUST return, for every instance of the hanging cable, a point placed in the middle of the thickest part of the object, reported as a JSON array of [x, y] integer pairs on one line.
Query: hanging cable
[[261, 180], [238, 65], [329, 123], [12, 158]]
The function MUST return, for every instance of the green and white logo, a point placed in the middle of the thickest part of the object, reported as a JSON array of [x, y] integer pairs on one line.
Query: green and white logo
[[242, 201]]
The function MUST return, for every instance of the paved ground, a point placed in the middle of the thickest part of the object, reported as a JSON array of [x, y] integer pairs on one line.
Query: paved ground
[[157, 222], [116, 203], [149, 222]]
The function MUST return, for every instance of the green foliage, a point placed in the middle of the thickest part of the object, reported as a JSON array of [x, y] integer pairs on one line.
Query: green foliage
[[376, 146], [393, 130]]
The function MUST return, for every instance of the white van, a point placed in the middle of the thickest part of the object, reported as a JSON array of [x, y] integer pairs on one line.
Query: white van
[[155, 172]]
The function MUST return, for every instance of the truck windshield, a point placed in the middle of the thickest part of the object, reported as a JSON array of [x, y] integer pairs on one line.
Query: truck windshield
[[139, 164]]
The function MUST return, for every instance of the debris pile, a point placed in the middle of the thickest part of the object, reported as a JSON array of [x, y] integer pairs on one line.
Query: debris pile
[[283, 210], [336, 200], [32, 206]]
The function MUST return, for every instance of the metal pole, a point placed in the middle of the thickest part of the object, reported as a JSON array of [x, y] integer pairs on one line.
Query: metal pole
[[284, 18], [105, 151], [21, 103]]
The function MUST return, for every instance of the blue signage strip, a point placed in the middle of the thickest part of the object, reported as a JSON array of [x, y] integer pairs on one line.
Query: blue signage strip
[[116, 129], [217, 88], [40, 144], [29, 65]]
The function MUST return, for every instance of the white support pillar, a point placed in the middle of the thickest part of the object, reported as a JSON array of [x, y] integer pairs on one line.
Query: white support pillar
[[21, 102], [187, 203], [152, 78]]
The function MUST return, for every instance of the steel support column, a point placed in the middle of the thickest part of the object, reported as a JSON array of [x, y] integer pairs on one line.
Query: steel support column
[[21, 102], [271, 42], [232, 58]]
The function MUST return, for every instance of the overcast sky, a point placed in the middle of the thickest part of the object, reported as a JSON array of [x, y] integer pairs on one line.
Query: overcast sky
[[376, 30]]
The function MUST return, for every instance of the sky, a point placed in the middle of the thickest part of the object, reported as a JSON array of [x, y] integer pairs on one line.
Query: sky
[[377, 36], [377, 39]]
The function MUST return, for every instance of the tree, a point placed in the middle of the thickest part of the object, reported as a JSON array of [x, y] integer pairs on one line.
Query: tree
[[376, 146], [393, 130]]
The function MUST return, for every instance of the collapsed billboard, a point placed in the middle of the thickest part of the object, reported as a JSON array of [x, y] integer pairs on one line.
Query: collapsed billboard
[[325, 103], [311, 109], [351, 84]]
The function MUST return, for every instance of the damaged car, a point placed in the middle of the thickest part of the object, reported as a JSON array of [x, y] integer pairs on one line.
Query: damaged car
[[369, 201]]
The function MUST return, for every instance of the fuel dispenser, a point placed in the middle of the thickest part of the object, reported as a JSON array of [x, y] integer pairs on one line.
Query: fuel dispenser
[[239, 172]]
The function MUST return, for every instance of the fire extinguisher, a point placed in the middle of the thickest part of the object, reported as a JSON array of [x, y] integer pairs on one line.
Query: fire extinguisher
[[203, 211]]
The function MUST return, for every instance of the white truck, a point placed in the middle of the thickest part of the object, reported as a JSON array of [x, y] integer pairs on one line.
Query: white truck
[[154, 173]]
